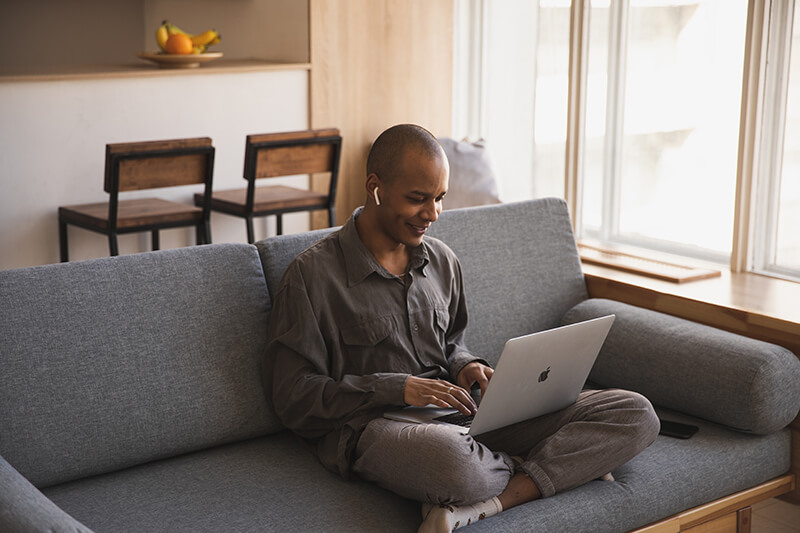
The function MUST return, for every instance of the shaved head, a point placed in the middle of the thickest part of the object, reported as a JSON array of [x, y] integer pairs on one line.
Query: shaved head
[[391, 145]]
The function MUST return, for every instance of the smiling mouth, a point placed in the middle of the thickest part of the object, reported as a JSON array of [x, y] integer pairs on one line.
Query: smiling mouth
[[419, 229]]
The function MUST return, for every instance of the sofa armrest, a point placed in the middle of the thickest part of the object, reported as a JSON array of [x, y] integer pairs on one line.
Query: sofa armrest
[[742, 383], [24, 508]]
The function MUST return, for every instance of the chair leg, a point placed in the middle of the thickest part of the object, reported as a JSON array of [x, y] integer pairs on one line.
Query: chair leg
[[203, 233], [113, 247], [279, 223], [331, 217], [62, 241], [155, 240], [250, 231]]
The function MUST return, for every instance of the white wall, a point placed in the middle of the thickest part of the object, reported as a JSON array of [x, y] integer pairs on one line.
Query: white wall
[[52, 145]]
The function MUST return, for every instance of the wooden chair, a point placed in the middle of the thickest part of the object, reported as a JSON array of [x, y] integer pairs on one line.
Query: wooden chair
[[282, 154], [146, 165]]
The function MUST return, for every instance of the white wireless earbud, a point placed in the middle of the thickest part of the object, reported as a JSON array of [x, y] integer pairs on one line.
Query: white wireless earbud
[[375, 195]]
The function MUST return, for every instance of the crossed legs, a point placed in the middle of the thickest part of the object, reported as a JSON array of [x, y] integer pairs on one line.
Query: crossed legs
[[557, 452]]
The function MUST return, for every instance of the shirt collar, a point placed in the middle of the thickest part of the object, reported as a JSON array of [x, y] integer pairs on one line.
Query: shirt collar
[[359, 261]]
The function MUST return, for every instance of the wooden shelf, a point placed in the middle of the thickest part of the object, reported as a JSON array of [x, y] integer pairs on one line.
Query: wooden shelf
[[56, 40], [142, 68]]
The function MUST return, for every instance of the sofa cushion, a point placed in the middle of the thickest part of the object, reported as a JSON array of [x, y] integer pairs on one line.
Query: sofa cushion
[[730, 379], [521, 268], [273, 484], [270, 483], [116, 361]]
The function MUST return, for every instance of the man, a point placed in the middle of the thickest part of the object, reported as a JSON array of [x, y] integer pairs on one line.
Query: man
[[373, 317]]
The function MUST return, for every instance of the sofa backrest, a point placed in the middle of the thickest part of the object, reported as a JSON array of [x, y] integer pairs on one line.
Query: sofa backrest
[[277, 252], [113, 362], [521, 267]]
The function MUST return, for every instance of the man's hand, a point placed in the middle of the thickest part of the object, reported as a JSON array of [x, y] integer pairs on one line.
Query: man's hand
[[475, 372], [423, 391]]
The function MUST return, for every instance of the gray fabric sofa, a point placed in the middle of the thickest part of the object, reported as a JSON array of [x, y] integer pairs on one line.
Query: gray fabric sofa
[[131, 397]]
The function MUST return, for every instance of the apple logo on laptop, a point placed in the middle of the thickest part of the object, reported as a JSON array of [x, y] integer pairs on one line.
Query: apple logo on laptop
[[543, 375]]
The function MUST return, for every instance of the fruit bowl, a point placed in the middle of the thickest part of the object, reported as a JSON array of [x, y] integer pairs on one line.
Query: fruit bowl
[[164, 60]]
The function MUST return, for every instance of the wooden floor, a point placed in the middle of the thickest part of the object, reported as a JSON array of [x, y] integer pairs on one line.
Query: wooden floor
[[776, 516]]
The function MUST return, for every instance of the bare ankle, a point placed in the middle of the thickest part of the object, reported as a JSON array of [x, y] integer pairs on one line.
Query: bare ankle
[[520, 489]]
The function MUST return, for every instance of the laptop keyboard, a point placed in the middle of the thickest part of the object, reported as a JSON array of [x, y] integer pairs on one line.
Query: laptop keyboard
[[458, 419]]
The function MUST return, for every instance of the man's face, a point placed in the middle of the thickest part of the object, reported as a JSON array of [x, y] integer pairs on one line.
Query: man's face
[[412, 200]]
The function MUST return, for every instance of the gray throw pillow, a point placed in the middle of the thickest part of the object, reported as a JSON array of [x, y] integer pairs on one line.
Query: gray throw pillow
[[472, 180]]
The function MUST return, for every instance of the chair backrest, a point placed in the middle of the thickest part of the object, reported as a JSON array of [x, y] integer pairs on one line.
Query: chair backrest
[[153, 164], [271, 155]]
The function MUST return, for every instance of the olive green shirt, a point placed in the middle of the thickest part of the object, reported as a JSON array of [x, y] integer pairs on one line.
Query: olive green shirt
[[345, 334]]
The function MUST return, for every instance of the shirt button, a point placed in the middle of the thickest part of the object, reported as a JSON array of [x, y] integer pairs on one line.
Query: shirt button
[[416, 327]]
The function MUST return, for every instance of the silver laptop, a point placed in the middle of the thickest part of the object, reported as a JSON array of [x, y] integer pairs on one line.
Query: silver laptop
[[536, 374]]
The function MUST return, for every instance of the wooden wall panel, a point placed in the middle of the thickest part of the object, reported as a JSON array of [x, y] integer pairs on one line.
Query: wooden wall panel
[[376, 63]]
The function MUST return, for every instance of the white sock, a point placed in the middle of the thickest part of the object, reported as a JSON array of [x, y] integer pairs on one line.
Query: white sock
[[447, 518]]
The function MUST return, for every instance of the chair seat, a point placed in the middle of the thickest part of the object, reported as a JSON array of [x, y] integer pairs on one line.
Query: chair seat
[[131, 213], [267, 199]]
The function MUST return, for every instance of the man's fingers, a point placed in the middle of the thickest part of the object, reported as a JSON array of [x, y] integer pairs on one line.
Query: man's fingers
[[435, 400], [454, 396], [422, 391], [483, 382], [461, 400]]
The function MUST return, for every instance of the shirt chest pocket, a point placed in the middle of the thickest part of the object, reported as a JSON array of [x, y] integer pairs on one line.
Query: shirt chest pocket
[[442, 318], [366, 334], [369, 347]]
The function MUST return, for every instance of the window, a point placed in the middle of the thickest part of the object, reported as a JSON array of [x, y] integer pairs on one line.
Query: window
[[661, 138], [511, 77], [688, 119], [776, 245]]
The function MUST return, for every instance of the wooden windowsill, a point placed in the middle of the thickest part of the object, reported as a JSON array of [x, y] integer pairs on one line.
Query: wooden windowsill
[[142, 68], [750, 304]]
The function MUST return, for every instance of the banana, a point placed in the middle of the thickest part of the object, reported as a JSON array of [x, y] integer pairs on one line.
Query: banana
[[172, 28], [198, 49], [161, 37], [205, 38]]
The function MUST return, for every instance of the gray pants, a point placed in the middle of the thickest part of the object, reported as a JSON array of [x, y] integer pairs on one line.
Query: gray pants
[[562, 450]]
